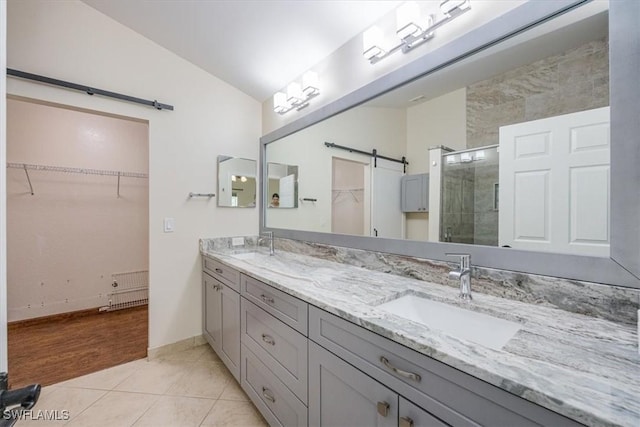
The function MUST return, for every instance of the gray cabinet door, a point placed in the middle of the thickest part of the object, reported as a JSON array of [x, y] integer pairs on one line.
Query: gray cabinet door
[[212, 312], [340, 395], [411, 415], [415, 193], [230, 330]]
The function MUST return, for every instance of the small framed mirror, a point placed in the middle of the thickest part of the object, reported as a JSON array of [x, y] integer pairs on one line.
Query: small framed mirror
[[282, 185], [236, 182]]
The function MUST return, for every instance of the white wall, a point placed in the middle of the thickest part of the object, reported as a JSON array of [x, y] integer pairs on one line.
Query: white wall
[[346, 70], [439, 121], [71, 41], [364, 128], [3, 190]]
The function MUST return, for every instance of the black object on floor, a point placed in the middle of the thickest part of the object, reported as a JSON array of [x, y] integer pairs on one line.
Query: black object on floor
[[14, 402]]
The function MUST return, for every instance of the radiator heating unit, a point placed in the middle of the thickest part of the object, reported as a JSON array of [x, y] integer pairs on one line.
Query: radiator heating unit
[[129, 290]]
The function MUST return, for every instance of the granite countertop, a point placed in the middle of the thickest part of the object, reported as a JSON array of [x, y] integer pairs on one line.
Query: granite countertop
[[585, 368]]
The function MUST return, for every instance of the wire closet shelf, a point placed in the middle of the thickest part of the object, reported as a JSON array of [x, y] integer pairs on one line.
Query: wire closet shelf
[[76, 170], [27, 167]]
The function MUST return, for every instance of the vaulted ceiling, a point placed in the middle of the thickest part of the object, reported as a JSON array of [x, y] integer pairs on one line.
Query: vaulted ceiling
[[258, 46]]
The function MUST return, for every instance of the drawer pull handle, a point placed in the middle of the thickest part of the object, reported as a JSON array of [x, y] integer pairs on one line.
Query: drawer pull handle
[[268, 339], [410, 375], [406, 422], [267, 299], [219, 270], [383, 408], [266, 393]]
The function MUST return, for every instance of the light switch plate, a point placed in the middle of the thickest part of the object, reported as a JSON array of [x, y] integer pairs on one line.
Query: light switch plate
[[169, 225], [237, 241]]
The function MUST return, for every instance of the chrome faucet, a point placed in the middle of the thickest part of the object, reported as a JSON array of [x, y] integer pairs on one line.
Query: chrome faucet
[[463, 274], [268, 235]]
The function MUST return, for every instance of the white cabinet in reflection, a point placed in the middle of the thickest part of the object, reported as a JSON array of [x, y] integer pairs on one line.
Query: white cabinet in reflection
[[415, 193]]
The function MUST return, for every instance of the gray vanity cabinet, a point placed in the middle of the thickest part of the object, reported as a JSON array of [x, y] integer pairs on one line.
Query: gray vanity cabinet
[[415, 193], [456, 398], [301, 365], [221, 321], [341, 395]]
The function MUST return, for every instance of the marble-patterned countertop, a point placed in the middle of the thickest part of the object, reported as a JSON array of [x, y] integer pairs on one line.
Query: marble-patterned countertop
[[585, 368]]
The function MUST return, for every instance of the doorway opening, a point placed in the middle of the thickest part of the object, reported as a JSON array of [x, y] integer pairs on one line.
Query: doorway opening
[[349, 207], [77, 241]]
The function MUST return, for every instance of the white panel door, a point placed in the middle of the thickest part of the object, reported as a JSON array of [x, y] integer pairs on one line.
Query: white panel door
[[554, 184], [287, 191], [387, 219]]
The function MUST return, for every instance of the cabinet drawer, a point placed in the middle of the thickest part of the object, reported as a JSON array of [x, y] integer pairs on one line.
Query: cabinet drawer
[[288, 309], [450, 395], [278, 405], [224, 273], [279, 347]]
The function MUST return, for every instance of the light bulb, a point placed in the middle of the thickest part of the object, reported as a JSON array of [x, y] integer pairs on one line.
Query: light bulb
[[406, 17], [280, 104], [294, 93], [372, 42], [310, 84]]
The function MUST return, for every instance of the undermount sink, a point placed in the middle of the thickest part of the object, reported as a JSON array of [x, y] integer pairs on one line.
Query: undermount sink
[[244, 255], [468, 325]]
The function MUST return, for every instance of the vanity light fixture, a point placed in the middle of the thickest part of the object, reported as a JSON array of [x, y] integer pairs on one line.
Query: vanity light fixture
[[466, 157], [233, 178], [243, 179], [297, 95], [412, 29]]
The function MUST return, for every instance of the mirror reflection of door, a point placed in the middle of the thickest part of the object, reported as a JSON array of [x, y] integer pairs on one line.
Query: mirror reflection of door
[[387, 219], [282, 185], [348, 196]]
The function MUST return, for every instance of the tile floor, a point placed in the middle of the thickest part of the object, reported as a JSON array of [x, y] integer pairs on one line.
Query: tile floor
[[188, 388]]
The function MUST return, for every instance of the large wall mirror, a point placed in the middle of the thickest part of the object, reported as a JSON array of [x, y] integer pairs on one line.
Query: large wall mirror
[[236, 182], [516, 139]]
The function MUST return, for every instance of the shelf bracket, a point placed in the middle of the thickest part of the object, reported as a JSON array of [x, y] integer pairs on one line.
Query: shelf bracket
[[28, 179]]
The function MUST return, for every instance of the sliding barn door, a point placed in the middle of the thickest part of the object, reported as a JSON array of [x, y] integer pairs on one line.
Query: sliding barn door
[[387, 219]]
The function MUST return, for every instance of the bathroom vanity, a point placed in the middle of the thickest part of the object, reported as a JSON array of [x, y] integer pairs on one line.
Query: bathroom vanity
[[315, 342]]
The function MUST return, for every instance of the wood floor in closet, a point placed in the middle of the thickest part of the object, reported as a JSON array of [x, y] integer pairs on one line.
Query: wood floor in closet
[[57, 348]]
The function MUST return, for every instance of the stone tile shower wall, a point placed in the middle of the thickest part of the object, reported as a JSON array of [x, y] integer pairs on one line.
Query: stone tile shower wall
[[485, 229], [576, 80]]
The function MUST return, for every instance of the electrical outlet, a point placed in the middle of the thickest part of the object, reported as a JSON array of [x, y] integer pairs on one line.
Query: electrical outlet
[[237, 241]]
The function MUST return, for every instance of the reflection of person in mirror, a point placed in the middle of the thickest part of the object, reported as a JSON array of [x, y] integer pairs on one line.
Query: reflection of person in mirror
[[275, 201]]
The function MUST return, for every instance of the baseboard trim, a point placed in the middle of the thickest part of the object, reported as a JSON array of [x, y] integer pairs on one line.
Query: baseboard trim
[[186, 344], [52, 318]]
